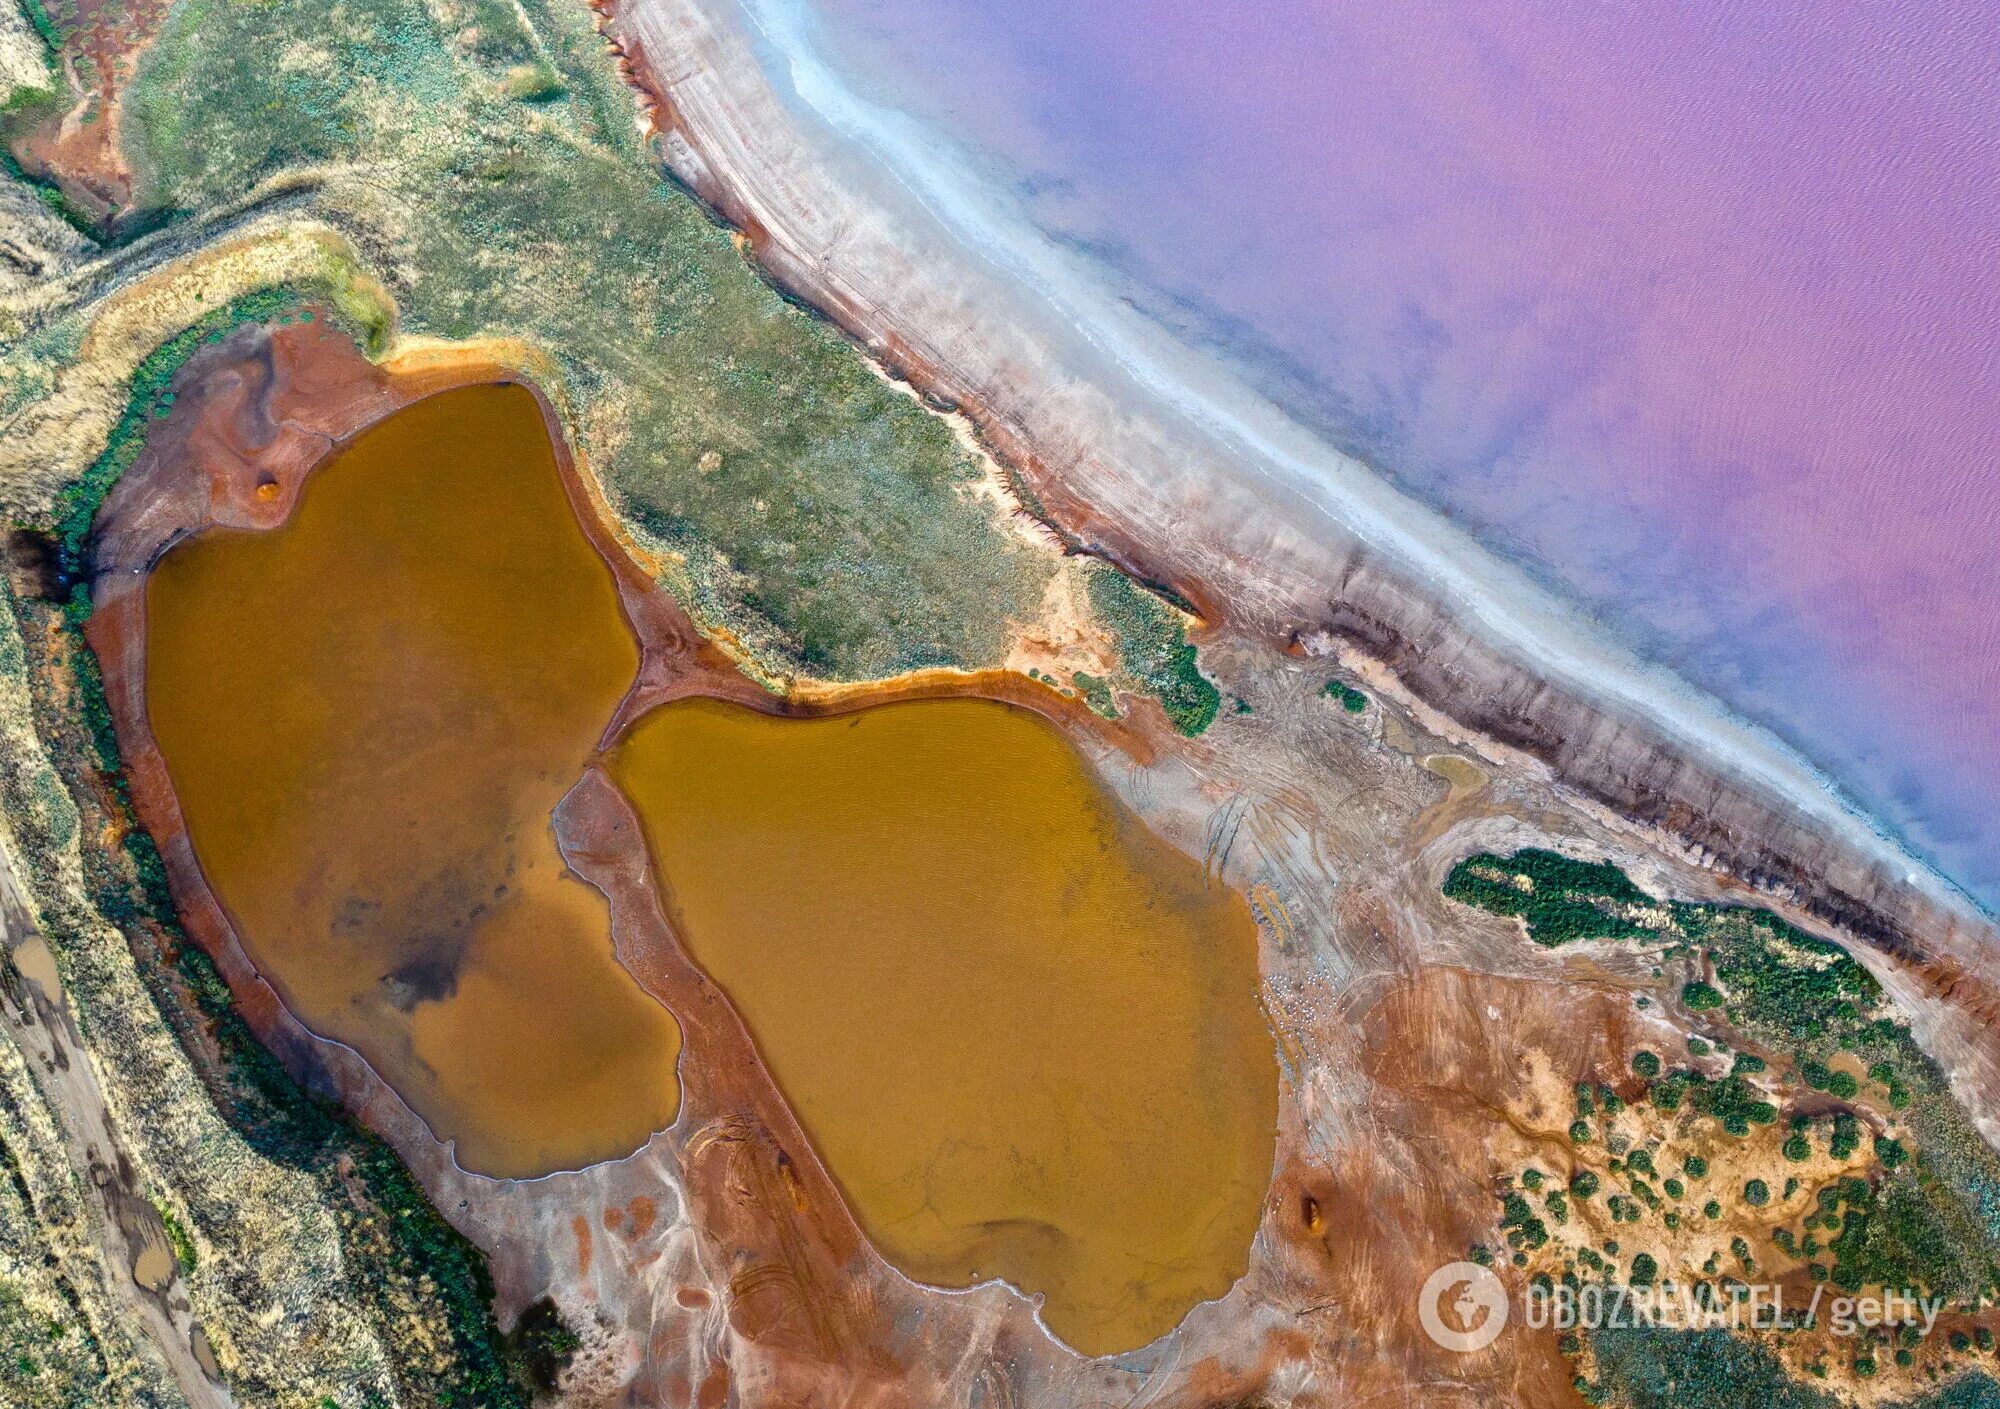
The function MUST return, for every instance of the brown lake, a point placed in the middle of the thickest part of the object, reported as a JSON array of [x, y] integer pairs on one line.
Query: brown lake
[[368, 716], [1021, 1029]]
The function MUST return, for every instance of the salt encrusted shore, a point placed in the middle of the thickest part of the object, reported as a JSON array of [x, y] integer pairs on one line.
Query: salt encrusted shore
[[1140, 451]]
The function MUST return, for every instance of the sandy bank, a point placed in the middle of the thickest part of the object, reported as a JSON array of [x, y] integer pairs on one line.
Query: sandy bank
[[1164, 464]]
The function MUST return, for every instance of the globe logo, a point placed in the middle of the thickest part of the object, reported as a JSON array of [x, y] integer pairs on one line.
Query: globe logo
[[1462, 1307]]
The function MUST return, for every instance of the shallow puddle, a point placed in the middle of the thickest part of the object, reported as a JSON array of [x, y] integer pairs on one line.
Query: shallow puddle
[[368, 716], [1022, 1031]]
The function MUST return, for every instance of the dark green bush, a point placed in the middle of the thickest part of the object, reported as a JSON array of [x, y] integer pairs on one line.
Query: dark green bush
[[1560, 900]]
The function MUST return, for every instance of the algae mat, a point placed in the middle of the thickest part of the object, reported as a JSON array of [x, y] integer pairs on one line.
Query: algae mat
[[1021, 1030], [368, 716]]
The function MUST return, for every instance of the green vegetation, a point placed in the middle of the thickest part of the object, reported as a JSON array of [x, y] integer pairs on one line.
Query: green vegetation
[[1349, 698], [1926, 1217], [44, 23], [1559, 899], [796, 499], [1154, 655], [1906, 1232], [1523, 1228], [542, 1346], [1732, 1101], [1096, 692], [1791, 985], [1792, 992], [1652, 1368], [178, 1236]]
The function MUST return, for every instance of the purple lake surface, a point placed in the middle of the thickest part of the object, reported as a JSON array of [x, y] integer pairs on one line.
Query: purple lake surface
[[1693, 310]]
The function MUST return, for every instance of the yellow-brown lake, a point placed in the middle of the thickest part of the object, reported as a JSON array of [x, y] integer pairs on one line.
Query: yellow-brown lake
[[1021, 1030], [368, 716]]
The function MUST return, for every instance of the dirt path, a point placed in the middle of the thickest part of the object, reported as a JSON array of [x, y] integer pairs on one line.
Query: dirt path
[[134, 1239]]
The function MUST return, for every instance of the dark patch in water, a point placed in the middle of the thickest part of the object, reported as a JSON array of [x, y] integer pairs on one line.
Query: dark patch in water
[[429, 979]]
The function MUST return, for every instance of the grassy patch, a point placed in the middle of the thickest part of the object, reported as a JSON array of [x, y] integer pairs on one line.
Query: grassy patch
[[800, 503], [177, 1235], [1095, 691], [1154, 655]]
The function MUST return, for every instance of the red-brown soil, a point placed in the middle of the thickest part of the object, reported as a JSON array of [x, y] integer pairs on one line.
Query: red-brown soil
[[78, 148]]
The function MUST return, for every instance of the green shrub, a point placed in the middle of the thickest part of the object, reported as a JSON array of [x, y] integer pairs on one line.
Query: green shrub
[[1908, 1233], [1096, 693], [542, 1345], [1153, 650], [1560, 900], [1649, 1367], [1349, 698]]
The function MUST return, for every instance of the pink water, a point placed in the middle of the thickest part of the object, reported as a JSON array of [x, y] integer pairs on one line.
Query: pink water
[[1694, 309]]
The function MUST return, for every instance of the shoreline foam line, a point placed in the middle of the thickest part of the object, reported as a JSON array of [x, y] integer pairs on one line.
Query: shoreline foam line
[[1285, 459]]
